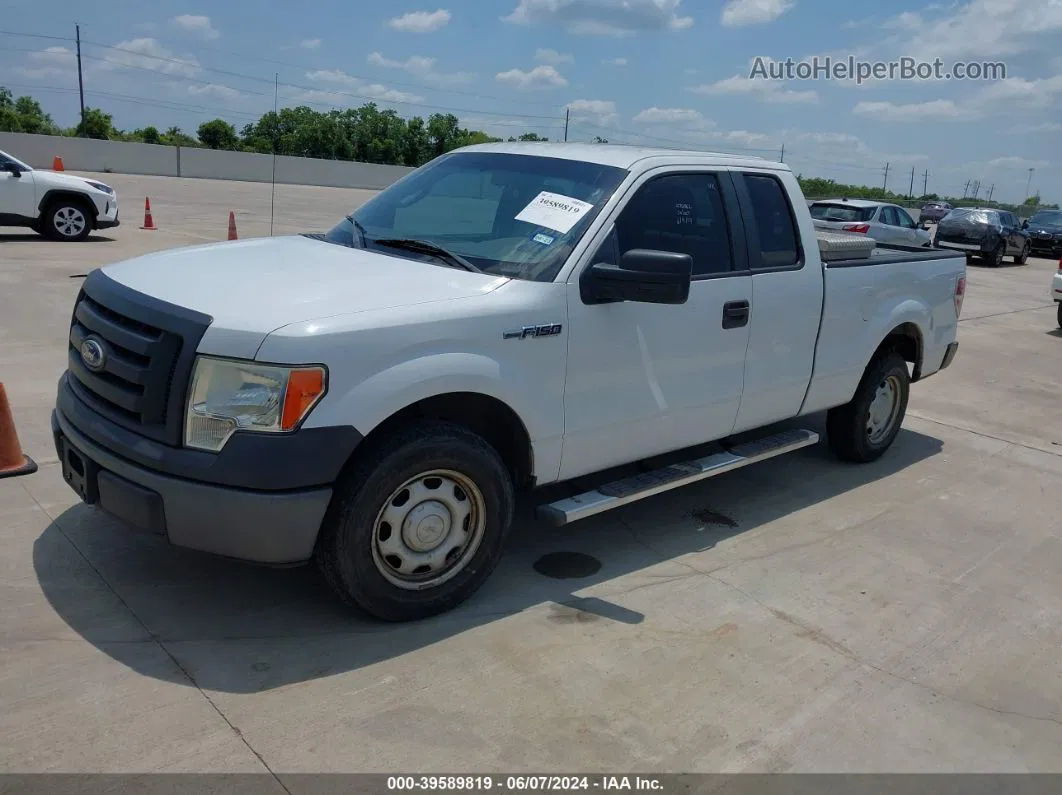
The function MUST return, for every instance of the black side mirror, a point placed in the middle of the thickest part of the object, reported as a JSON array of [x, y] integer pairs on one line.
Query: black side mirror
[[1025, 224], [644, 276], [13, 169]]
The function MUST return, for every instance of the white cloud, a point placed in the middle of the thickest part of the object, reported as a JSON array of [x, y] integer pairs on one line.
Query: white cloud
[[545, 55], [360, 87], [989, 29], [602, 17], [772, 91], [601, 111], [754, 12], [935, 110], [1019, 91], [199, 25], [310, 44], [147, 53], [539, 77], [908, 20], [1047, 126], [421, 21], [1017, 162], [215, 90], [49, 62], [422, 67], [657, 115], [615, 62]]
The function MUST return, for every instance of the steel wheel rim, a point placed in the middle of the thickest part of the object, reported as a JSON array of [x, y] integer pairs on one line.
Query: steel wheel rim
[[997, 257], [428, 529], [1025, 254], [69, 221], [884, 410]]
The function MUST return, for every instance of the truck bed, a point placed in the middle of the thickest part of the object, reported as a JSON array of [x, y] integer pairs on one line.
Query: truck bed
[[887, 254]]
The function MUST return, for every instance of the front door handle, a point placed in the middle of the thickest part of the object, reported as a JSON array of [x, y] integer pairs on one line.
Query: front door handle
[[735, 314]]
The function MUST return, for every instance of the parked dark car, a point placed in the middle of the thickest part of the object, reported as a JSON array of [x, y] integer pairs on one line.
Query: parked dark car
[[985, 233], [932, 212], [1045, 233]]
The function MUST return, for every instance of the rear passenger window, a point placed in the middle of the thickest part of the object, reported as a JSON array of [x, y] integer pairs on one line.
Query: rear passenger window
[[681, 213], [773, 220]]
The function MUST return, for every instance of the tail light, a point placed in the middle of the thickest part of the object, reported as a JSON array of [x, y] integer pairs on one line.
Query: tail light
[[960, 294], [861, 228]]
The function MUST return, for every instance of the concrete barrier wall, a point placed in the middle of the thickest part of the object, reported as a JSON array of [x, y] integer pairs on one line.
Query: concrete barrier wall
[[85, 154]]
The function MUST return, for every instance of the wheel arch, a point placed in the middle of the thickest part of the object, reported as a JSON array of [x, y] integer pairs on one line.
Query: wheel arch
[[52, 195], [486, 416], [906, 340]]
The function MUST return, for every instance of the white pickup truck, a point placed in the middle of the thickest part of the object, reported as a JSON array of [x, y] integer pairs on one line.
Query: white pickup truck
[[505, 317]]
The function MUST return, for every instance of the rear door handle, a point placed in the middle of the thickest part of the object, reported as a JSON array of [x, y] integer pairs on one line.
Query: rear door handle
[[735, 314]]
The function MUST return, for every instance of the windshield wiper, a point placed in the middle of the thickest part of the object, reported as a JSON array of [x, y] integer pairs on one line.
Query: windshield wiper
[[424, 247]]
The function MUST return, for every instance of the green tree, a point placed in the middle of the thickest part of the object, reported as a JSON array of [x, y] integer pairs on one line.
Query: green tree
[[218, 134], [175, 137], [95, 124], [1032, 201], [150, 135]]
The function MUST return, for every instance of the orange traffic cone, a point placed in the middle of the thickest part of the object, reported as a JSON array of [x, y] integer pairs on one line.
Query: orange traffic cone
[[12, 460], [57, 164], [232, 225], [149, 222]]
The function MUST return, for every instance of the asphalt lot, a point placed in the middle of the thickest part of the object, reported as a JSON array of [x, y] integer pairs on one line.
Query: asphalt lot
[[801, 615]]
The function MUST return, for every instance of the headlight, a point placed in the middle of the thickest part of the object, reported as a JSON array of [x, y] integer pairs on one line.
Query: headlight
[[228, 396], [101, 186]]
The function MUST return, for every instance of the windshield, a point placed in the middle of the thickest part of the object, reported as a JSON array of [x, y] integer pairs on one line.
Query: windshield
[[1047, 219], [506, 214], [822, 211], [972, 215], [5, 158]]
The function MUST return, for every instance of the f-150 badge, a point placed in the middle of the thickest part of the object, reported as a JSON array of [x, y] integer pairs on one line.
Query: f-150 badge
[[548, 330]]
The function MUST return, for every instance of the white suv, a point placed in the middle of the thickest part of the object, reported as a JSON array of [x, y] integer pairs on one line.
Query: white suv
[[56, 205]]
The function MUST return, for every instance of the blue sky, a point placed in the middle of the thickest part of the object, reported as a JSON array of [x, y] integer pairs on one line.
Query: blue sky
[[669, 72]]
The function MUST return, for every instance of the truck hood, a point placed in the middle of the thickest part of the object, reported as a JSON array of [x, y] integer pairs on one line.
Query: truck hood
[[253, 287]]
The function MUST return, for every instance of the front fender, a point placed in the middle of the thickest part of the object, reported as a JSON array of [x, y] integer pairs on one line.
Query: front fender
[[370, 401]]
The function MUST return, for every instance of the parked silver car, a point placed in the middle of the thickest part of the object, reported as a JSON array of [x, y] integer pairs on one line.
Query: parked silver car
[[885, 223]]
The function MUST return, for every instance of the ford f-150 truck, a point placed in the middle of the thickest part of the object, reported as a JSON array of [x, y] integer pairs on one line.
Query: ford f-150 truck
[[505, 317]]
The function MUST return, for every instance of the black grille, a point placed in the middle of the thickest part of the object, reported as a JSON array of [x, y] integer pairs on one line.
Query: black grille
[[147, 357]]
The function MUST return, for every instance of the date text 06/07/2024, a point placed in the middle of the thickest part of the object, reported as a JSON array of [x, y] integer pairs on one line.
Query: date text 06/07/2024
[[522, 783]]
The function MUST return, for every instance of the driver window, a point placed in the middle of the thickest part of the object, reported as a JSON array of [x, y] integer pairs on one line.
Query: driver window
[[905, 218], [682, 213], [464, 202]]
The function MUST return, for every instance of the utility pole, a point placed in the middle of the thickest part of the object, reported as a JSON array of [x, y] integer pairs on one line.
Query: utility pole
[[886, 182], [80, 79], [990, 191], [910, 191], [925, 183], [1028, 183], [976, 189], [781, 157], [567, 112], [966, 189]]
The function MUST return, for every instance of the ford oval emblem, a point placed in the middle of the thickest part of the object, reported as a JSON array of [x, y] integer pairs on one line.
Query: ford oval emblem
[[93, 355]]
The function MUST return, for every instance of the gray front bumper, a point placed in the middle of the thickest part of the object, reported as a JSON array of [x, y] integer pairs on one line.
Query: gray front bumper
[[257, 526]]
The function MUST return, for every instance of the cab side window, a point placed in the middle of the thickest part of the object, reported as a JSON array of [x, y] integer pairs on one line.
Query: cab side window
[[904, 218], [683, 213], [773, 220]]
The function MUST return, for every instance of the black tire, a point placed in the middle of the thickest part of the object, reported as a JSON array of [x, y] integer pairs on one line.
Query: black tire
[[847, 426], [1060, 315], [1021, 259], [348, 553], [995, 258], [66, 220]]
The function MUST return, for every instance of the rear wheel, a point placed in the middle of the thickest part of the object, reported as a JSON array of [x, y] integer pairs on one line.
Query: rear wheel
[[419, 525], [864, 428], [67, 220], [995, 258], [1060, 315], [1022, 258]]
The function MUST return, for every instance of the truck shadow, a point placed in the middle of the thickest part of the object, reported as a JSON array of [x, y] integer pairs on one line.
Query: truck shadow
[[232, 627]]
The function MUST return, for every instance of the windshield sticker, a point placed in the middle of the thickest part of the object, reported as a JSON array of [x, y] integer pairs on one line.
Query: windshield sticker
[[545, 240], [554, 211]]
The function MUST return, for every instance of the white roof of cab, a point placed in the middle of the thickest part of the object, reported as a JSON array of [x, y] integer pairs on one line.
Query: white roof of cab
[[624, 155], [860, 204]]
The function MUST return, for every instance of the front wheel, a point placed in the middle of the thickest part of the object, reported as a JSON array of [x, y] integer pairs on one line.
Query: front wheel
[[1060, 315], [66, 219], [864, 428], [419, 525], [1022, 258]]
